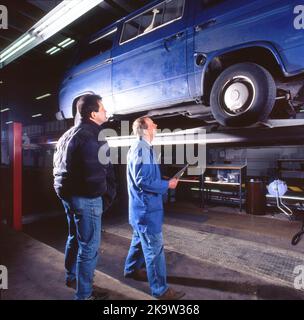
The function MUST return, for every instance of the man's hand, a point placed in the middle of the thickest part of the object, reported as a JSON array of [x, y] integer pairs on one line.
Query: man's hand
[[173, 183]]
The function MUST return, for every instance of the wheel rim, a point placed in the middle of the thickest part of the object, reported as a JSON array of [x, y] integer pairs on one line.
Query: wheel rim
[[237, 95]]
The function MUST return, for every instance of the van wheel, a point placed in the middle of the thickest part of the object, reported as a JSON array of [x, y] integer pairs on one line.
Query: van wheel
[[242, 95]]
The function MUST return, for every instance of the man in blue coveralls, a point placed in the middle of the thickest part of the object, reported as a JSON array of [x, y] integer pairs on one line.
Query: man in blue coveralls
[[145, 188]]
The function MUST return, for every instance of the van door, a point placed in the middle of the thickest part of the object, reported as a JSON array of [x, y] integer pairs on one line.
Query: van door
[[92, 72], [150, 65]]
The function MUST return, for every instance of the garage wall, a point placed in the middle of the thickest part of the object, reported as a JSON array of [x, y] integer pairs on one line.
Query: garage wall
[[261, 161]]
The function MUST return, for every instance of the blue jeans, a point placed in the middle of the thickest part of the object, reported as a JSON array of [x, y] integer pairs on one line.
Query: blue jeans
[[148, 250], [81, 251]]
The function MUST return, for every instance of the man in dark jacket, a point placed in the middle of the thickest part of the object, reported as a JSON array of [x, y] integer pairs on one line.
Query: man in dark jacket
[[84, 181]]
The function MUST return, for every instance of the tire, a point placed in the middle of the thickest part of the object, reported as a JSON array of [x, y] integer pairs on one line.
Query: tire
[[242, 95]]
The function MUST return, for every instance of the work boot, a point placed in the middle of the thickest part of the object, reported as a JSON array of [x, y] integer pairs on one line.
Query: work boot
[[171, 294], [99, 294], [71, 284], [138, 275]]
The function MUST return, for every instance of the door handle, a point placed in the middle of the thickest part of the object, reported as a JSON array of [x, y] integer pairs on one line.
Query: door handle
[[174, 37], [110, 60], [204, 25]]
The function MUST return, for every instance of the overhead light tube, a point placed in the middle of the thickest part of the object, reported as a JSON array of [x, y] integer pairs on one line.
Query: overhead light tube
[[43, 96], [58, 18], [36, 115], [17, 49]]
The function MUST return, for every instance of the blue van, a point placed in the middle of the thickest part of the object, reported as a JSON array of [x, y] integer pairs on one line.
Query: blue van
[[234, 60]]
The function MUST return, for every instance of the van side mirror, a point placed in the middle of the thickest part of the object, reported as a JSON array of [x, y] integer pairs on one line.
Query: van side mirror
[[59, 116]]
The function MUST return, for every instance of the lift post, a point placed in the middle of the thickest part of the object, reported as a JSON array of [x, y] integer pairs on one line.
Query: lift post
[[15, 155]]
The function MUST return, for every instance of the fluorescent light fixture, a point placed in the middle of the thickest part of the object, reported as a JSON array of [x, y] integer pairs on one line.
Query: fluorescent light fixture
[[68, 43], [58, 49], [64, 41], [50, 50], [62, 15], [6, 55], [43, 96], [36, 115], [1, 82], [15, 45], [4, 110], [8, 122], [62, 44], [55, 15]]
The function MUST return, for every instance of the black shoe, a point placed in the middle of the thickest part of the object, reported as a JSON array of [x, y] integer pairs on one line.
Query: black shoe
[[138, 275]]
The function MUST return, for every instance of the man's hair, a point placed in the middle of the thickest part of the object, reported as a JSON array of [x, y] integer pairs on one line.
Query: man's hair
[[139, 125], [86, 104]]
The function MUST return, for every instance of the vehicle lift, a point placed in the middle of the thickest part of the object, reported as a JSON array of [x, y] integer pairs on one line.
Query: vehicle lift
[[272, 132]]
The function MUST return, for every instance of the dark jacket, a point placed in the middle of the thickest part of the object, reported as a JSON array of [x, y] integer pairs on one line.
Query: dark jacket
[[77, 168]]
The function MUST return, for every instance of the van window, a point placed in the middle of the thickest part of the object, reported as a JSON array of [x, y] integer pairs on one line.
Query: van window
[[174, 10], [131, 29], [164, 13], [152, 18], [96, 46]]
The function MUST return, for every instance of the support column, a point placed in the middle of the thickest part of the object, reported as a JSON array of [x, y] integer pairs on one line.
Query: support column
[[15, 154]]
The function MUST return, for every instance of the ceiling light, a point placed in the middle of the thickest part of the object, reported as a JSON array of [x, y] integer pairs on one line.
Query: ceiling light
[[36, 115], [64, 41], [70, 13], [8, 122], [43, 96], [55, 15], [5, 56], [68, 43], [62, 44], [16, 44], [58, 49], [4, 110], [50, 50], [62, 15]]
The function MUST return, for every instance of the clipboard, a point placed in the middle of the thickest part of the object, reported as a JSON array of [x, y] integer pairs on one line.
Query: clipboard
[[181, 172]]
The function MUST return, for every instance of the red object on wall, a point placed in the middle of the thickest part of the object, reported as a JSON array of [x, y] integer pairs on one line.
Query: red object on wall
[[15, 153]]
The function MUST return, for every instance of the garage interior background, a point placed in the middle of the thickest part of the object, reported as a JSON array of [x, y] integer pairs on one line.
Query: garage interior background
[[29, 95]]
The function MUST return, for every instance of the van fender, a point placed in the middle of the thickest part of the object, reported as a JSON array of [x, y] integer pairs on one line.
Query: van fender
[[260, 44]]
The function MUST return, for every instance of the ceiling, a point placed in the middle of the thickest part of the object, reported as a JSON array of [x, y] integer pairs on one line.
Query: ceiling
[[37, 73]]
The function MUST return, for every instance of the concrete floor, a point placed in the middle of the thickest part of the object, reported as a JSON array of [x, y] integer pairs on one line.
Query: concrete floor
[[214, 253], [35, 272]]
